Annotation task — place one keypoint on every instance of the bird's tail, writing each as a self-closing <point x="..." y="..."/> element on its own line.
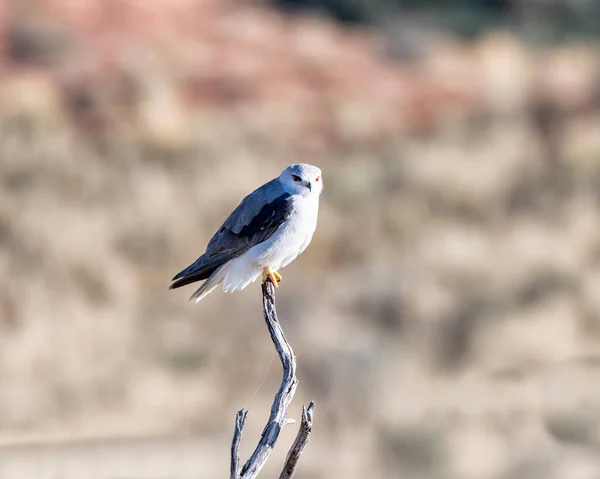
<point x="211" y="283"/>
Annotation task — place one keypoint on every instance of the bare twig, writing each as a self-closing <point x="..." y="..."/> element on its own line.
<point x="281" y="402"/>
<point x="240" y="421"/>
<point x="300" y="442"/>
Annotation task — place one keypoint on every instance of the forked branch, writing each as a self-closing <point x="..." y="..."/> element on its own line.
<point x="281" y="402"/>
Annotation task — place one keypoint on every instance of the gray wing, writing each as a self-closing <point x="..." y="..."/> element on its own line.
<point x="256" y="218"/>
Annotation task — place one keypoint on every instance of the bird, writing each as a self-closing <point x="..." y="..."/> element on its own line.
<point x="266" y="232"/>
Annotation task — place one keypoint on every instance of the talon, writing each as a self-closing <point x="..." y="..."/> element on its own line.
<point x="273" y="279"/>
<point x="269" y="273"/>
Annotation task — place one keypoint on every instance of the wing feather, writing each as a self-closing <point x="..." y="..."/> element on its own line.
<point x="256" y="218"/>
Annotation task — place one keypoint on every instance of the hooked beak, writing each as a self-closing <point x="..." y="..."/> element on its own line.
<point x="309" y="186"/>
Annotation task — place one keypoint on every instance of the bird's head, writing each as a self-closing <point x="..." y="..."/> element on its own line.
<point x="302" y="179"/>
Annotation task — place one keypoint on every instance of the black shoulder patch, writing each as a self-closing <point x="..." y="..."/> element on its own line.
<point x="268" y="220"/>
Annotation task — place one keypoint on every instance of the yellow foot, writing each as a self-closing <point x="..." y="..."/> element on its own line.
<point x="274" y="275"/>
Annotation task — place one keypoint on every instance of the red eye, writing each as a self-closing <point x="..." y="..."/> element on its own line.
<point x="296" y="178"/>
<point x="318" y="178"/>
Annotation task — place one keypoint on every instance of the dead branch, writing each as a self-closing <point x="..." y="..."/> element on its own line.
<point x="281" y="402"/>
<point x="240" y="421"/>
<point x="299" y="443"/>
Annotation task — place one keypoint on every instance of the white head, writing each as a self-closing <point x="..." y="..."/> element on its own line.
<point x="302" y="179"/>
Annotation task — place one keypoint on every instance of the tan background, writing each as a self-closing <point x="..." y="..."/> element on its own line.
<point x="446" y="316"/>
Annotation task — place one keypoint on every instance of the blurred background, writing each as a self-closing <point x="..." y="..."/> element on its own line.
<point x="446" y="316"/>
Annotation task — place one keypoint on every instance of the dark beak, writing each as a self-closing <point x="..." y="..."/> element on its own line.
<point x="309" y="186"/>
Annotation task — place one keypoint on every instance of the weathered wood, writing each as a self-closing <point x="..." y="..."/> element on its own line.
<point x="300" y="442"/>
<point x="240" y="421"/>
<point x="283" y="398"/>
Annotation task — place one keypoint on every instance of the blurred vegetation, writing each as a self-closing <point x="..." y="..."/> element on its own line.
<point x="541" y="21"/>
<point x="446" y="315"/>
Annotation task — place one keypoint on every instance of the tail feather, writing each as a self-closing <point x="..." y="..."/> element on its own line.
<point x="187" y="278"/>
<point x="211" y="283"/>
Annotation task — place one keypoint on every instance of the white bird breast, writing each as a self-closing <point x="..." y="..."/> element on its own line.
<point x="283" y="247"/>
